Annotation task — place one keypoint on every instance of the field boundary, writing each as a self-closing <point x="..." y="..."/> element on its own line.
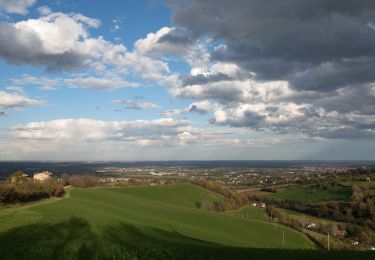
<point x="24" y="205"/>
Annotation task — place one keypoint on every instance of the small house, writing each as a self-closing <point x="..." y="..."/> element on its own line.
<point x="42" y="176"/>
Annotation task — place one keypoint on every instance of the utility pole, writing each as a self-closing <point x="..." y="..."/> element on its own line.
<point x="283" y="237"/>
<point x="328" y="241"/>
<point x="303" y="222"/>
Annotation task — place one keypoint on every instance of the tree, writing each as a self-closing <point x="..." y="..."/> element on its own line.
<point x="348" y="212"/>
<point x="65" y="178"/>
<point x="205" y="204"/>
<point x="17" y="177"/>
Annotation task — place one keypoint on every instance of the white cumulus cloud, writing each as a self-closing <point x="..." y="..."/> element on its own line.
<point x="11" y="100"/>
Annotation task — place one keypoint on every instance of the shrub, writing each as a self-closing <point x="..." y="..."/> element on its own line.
<point x="20" y="189"/>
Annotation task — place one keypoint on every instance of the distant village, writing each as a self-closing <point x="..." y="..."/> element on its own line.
<point x="234" y="177"/>
<point x="237" y="178"/>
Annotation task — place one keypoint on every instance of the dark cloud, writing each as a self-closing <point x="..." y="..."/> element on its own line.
<point x="289" y="40"/>
<point x="177" y="37"/>
<point x="359" y="99"/>
<point x="196" y="109"/>
<point x="322" y="51"/>
<point x="328" y="76"/>
<point x="203" y="79"/>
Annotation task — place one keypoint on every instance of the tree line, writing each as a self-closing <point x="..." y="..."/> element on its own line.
<point x="359" y="210"/>
<point x="358" y="214"/>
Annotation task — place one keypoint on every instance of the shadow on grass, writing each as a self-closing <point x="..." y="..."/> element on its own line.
<point x="74" y="239"/>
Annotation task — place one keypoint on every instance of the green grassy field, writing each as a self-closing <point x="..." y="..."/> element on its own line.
<point x="307" y="193"/>
<point x="369" y="184"/>
<point x="250" y="212"/>
<point x="294" y="213"/>
<point x="159" y="222"/>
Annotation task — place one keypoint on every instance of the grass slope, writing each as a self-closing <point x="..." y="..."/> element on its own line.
<point x="250" y="212"/>
<point x="159" y="222"/>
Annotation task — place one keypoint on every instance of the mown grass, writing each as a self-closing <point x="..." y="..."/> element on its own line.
<point x="145" y="223"/>
<point x="310" y="193"/>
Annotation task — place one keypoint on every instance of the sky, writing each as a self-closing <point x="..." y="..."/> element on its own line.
<point x="187" y="80"/>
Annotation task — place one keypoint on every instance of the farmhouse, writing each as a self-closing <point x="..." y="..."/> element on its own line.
<point x="42" y="176"/>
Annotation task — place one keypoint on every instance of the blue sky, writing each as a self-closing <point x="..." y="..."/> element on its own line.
<point x="173" y="80"/>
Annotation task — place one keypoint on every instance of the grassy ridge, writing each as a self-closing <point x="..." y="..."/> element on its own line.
<point x="143" y="222"/>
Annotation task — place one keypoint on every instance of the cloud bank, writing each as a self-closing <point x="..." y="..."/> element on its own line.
<point x="286" y="66"/>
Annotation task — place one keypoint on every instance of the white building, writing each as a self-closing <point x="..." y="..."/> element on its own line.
<point x="311" y="226"/>
<point x="42" y="176"/>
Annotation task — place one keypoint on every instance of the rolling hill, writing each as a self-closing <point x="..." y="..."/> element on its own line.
<point x="153" y="222"/>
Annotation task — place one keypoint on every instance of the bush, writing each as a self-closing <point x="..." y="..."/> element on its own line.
<point x="269" y="189"/>
<point x="17" y="189"/>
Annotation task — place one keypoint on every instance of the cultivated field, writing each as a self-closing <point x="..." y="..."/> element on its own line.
<point x="310" y="193"/>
